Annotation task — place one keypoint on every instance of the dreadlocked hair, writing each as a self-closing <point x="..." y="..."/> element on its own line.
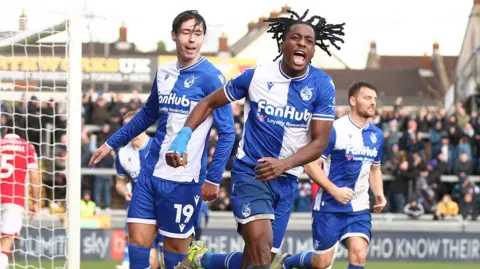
<point x="323" y="31"/>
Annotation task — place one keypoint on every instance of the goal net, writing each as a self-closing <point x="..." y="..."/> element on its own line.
<point x="38" y="91"/>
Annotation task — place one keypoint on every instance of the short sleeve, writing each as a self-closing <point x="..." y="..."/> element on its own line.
<point x="325" y="102"/>
<point x="32" y="157"/>
<point x="237" y="88"/>
<point x="378" y="159"/>
<point x="118" y="166"/>
<point x="331" y="144"/>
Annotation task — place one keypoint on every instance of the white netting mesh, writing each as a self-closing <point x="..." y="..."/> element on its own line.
<point x="33" y="85"/>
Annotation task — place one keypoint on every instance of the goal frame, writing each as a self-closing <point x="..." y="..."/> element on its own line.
<point x="73" y="28"/>
<point x="74" y="129"/>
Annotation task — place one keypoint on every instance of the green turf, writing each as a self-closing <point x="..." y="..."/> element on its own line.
<point x="337" y="265"/>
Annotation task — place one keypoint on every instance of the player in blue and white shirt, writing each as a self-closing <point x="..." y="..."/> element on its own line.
<point x="128" y="163"/>
<point x="164" y="196"/>
<point x="341" y="211"/>
<point x="289" y="110"/>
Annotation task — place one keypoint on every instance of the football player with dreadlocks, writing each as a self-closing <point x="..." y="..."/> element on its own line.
<point x="289" y="111"/>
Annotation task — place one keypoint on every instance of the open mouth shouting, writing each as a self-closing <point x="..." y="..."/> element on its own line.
<point x="299" y="57"/>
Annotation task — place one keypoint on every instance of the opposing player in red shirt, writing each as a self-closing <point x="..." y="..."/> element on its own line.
<point x="17" y="156"/>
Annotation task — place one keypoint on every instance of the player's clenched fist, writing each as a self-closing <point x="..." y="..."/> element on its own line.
<point x="98" y="155"/>
<point x="343" y="195"/>
<point x="209" y="191"/>
<point x="177" y="153"/>
<point x="270" y="168"/>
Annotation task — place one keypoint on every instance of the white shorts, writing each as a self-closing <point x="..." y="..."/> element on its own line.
<point x="11" y="219"/>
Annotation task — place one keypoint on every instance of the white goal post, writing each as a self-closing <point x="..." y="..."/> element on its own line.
<point x="74" y="129"/>
<point x="28" y="66"/>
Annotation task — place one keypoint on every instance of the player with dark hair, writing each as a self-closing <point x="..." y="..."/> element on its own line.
<point x="323" y="31"/>
<point x="289" y="110"/>
<point x="341" y="211"/>
<point x="156" y="204"/>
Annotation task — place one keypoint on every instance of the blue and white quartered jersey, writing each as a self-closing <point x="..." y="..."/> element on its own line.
<point x="175" y="92"/>
<point x="350" y="153"/>
<point x="129" y="160"/>
<point x="278" y="110"/>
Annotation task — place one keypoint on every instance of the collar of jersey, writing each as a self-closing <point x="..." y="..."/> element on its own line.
<point x="356" y="125"/>
<point x="192" y="65"/>
<point x="295" y="78"/>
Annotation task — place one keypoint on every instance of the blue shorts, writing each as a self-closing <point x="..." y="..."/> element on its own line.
<point x="157" y="242"/>
<point x="253" y="199"/>
<point x="330" y="227"/>
<point x="172" y="206"/>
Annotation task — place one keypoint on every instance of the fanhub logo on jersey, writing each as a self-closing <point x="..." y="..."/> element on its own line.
<point x="360" y="153"/>
<point x="287" y="113"/>
<point x="174" y="104"/>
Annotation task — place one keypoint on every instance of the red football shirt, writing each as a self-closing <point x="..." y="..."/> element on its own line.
<point x="16" y="157"/>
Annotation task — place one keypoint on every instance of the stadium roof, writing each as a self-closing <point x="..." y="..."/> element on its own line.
<point x="390" y="84"/>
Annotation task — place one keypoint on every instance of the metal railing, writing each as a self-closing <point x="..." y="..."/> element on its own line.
<point x="303" y="177"/>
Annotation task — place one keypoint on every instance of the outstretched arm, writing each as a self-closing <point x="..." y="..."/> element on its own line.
<point x="138" y="124"/>
<point x="235" y="89"/>
<point x="177" y="155"/>
<point x="205" y="108"/>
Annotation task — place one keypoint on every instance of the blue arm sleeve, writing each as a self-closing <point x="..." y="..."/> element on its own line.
<point x="378" y="159"/>
<point x="237" y="88"/>
<point x="325" y="101"/>
<point x="118" y="166"/>
<point x="138" y="124"/>
<point x="223" y="120"/>
<point x="331" y="144"/>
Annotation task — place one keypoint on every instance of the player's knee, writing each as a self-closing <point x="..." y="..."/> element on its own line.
<point x="357" y="254"/>
<point x="141" y="235"/>
<point x="176" y="245"/>
<point x="140" y="242"/>
<point x="321" y="261"/>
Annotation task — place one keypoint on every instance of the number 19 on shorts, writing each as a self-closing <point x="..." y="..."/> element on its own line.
<point x="185" y="210"/>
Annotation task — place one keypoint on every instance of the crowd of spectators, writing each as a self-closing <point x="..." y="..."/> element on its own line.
<point x="421" y="146"/>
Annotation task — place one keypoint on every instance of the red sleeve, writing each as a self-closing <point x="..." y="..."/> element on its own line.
<point x="31" y="157"/>
<point x="315" y="189"/>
